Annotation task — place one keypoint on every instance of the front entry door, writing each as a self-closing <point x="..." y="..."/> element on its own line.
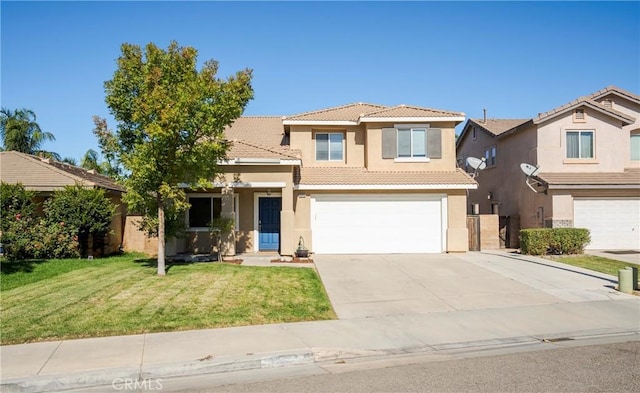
<point x="269" y="223"/>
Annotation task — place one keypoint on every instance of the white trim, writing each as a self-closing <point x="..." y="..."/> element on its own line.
<point x="319" y="122"/>
<point x="412" y="159"/>
<point x="593" y="186"/>
<point x="260" y="161"/>
<point x="256" y="216"/>
<point x="259" y="184"/>
<point x="406" y="119"/>
<point x="444" y="220"/>
<point x="366" y="119"/>
<point x="250" y="184"/>
<point x="338" y="187"/>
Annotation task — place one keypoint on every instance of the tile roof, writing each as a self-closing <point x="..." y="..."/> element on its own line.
<point x="243" y="149"/>
<point x="582" y="101"/>
<point x="262" y="130"/>
<point x="498" y="126"/>
<point x="630" y="177"/>
<point x="357" y="111"/>
<point x="48" y="175"/>
<point x="616" y="90"/>
<point x="361" y="176"/>
<point x="412" y="111"/>
<point x="349" y="112"/>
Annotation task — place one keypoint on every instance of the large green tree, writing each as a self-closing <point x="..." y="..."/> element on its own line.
<point x="170" y="122"/>
<point x="21" y="132"/>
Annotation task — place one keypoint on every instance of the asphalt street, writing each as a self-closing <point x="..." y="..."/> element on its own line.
<point x="611" y="367"/>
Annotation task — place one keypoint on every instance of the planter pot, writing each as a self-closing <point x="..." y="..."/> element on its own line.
<point x="302" y="253"/>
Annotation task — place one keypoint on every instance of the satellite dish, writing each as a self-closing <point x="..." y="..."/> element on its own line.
<point x="477" y="164"/>
<point x="529" y="170"/>
<point x="531" y="173"/>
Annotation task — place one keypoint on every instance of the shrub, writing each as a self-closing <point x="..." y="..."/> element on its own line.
<point x="70" y="217"/>
<point x="80" y="212"/>
<point x="553" y="241"/>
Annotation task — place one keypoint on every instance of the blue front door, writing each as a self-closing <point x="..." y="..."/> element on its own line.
<point x="269" y="223"/>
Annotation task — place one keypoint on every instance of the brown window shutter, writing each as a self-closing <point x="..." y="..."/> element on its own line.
<point x="389" y="144"/>
<point x="434" y="143"/>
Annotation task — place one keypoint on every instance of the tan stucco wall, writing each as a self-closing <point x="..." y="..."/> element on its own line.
<point x="375" y="162"/>
<point x="457" y="232"/>
<point x="489" y="234"/>
<point x="303" y="138"/>
<point x="611" y="148"/>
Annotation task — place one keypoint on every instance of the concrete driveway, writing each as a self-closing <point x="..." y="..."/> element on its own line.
<point x="361" y="286"/>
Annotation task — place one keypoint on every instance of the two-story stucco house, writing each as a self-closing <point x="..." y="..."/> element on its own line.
<point x="588" y="155"/>
<point x="357" y="178"/>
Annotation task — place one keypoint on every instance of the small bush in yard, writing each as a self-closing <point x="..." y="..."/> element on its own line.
<point x="554" y="241"/>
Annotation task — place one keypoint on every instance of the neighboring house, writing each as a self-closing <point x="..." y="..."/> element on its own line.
<point x="46" y="176"/>
<point x="588" y="154"/>
<point x="358" y="178"/>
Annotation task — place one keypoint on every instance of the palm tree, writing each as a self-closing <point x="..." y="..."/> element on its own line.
<point x="90" y="161"/>
<point x="70" y="161"/>
<point x="20" y="132"/>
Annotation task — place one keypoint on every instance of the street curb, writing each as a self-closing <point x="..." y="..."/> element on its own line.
<point x="118" y="376"/>
<point x="151" y="374"/>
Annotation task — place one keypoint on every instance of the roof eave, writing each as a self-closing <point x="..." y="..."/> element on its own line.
<point x="549" y="116"/>
<point x="373" y="119"/>
<point x="341" y="187"/>
<point x="319" y="122"/>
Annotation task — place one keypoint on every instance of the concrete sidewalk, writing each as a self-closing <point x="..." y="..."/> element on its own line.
<point x="60" y="365"/>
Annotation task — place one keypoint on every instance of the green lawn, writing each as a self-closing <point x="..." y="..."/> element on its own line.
<point x="63" y="299"/>
<point x="592" y="262"/>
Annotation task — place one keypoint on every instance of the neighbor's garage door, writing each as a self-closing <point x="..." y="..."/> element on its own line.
<point x="377" y="224"/>
<point x="614" y="223"/>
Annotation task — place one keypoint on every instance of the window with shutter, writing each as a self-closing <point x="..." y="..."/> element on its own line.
<point x="411" y="143"/>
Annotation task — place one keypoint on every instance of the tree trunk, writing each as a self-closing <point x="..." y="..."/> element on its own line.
<point x="161" y="270"/>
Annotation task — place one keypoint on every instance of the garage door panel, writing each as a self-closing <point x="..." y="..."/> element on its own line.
<point x="377" y="224"/>
<point x="613" y="223"/>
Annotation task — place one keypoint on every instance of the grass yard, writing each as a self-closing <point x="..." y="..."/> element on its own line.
<point x="63" y="299"/>
<point x="596" y="263"/>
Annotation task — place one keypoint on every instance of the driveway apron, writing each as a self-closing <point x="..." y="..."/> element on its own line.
<point x="361" y="286"/>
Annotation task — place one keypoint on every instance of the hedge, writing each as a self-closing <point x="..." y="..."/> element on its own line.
<point x="554" y="241"/>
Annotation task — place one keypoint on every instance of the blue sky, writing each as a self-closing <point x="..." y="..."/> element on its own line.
<point x="513" y="58"/>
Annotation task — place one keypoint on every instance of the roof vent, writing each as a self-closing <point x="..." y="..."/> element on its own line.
<point x="45" y="160"/>
<point x="92" y="171"/>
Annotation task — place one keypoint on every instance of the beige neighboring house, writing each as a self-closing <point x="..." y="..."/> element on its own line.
<point x="45" y="176"/>
<point x="588" y="155"/>
<point x="357" y="178"/>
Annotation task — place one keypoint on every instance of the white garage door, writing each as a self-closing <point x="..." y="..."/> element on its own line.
<point x="614" y="223"/>
<point x="378" y="224"/>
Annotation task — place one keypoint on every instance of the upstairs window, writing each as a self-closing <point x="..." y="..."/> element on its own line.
<point x="329" y="146"/>
<point x="412" y="142"/>
<point x="635" y="147"/>
<point x="580" y="144"/>
<point x="490" y="156"/>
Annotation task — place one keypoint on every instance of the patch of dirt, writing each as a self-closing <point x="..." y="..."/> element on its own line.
<point x="292" y="260"/>
<point x="232" y="261"/>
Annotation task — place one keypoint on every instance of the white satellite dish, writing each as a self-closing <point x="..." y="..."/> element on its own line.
<point x="477" y="164"/>
<point x="529" y="169"/>
<point x="531" y="173"/>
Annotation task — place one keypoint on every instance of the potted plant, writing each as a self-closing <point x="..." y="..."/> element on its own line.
<point x="302" y="251"/>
